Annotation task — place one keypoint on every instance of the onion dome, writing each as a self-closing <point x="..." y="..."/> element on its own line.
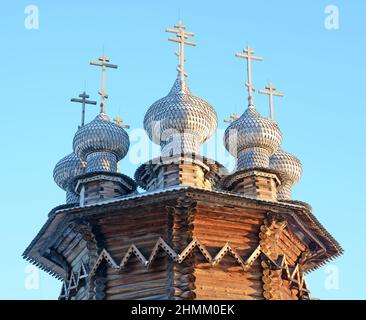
<point x="102" y="144"/>
<point x="65" y="171"/>
<point x="180" y="122"/>
<point x="252" y="139"/>
<point x="289" y="168"/>
<point x="68" y="168"/>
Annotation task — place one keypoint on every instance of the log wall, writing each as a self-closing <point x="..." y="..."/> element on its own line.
<point x="216" y="225"/>
<point x="179" y="222"/>
<point x="141" y="227"/>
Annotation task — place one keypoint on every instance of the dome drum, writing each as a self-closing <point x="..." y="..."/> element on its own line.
<point x="253" y="158"/>
<point x="259" y="183"/>
<point x="72" y="197"/>
<point x="188" y="169"/>
<point x="284" y="191"/>
<point x="180" y="143"/>
<point x="94" y="187"/>
<point x="101" y="162"/>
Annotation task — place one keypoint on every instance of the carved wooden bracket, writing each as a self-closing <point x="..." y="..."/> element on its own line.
<point x="276" y="269"/>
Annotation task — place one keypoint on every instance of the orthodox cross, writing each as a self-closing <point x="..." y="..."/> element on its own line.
<point x="271" y="91"/>
<point x="84" y="101"/>
<point x="181" y="37"/>
<point x="248" y="55"/>
<point x="103" y="63"/>
<point x="118" y="120"/>
<point x="234" y="116"/>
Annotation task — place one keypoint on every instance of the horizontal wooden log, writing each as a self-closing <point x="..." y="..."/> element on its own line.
<point x="137" y="286"/>
<point x="126" y="279"/>
<point x="148" y="293"/>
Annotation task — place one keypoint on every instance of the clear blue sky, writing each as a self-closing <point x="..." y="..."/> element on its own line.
<point x="322" y="116"/>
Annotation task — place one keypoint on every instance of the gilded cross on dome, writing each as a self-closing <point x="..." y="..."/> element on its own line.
<point x="84" y="101"/>
<point x="248" y="55"/>
<point x="182" y="38"/>
<point x="271" y="91"/>
<point x="234" y="116"/>
<point x="118" y="120"/>
<point x="103" y="63"/>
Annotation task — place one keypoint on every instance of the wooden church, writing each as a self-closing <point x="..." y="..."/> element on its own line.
<point x="192" y="230"/>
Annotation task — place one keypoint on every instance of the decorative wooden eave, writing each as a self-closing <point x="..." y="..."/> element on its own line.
<point x="331" y="248"/>
<point x="300" y="219"/>
<point x="58" y="219"/>
<point x="33" y="252"/>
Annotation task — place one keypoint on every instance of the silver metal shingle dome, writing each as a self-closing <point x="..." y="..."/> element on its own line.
<point x="68" y="168"/>
<point x="252" y="139"/>
<point x="101" y="135"/>
<point x="181" y="119"/>
<point x="289" y="168"/>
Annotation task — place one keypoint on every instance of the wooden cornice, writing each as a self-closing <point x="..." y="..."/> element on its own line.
<point x="298" y="216"/>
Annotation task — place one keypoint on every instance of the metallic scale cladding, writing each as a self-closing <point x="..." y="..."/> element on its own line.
<point x="65" y="171"/>
<point x="99" y="138"/>
<point x="180" y="118"/>
<point x="253" y="139"/>
<point x="289" y="168"/>
<point x="68" y="168"/>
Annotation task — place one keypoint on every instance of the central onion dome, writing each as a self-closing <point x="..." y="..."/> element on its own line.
<point x="289" y="168"/>
<point x="101" y="143"/>
<point x="252" y="139"/>
<point x="180" y="122"/>
<point x="65" y="171"/>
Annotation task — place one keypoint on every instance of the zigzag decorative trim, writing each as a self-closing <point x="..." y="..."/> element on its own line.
<point x="296" y="277"/>
<point x="179" y="258"/>
<point x="273" y="276"/>
<point x="271" y="229"/>
<point x="73" y="282"/>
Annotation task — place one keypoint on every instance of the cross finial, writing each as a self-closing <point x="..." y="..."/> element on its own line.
<point x="271" y="91"/>
<point x="234" y="116"/>
<point x="103" y="62"/>
<point x="181" y="37"/>
<point x="84" y="101"/>
<point x="248" y="55"/>
<point x="118" y="120"/>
